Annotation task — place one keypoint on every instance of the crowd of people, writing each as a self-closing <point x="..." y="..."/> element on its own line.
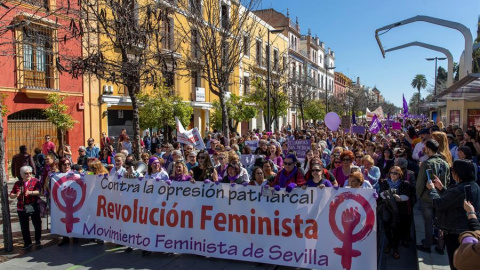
<point x="424" y="163"/>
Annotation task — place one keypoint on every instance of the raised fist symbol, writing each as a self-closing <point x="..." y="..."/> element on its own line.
<point x="350" y="220"/>
<point x="69" y="195"/>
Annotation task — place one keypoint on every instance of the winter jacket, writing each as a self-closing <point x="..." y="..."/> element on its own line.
<point x="450" y="215"/>
<point x="439" y="167"/>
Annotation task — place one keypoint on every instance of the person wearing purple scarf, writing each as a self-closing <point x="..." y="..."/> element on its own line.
<point x="233" y="174"/>
<point x="180" y="172"/>
<point x="290" y="176"/>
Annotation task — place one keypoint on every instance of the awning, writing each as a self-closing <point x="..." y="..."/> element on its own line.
<point x="433" y="104"/>
<point x="467" y="88"/>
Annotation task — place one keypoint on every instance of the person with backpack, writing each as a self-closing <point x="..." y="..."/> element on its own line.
<point x="22" y="159"/>
<point x="440" y="168"/>
<point x="39" y="160"/>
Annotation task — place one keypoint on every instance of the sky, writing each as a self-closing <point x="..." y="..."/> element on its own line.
<point x="348" y="28"/>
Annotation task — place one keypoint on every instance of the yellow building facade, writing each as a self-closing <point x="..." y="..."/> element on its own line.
<point x="108" y="106"/>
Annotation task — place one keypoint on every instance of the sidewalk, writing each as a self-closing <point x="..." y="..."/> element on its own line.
<point x="427" y="261"/>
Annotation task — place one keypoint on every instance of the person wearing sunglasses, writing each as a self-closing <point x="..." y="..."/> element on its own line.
<point x="65" y="167"/>
<point x="221" y="168"/>
<point x="396" y="223"/>
<point x="26" y="191"/>
<point x="48" y="147"/>
<point x="258" y="177"/>
<point x="317" y="178"/>
<point x="341" y="173"/>
<point x="290" y="176"/>
<point x="205" y="169"/>
<point x="180" y="172"/>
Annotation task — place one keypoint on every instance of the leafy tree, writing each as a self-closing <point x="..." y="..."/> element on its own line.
<point x="160" y="107"/>
<point x="414" y="102"/>
<point x="58" y="115"/>
<point x="419" y="82"/>
<point x="315" y="109"/>
<point x="218" y="31"/>
<point x="239" y="110"/>
<point x="278" y="100"/>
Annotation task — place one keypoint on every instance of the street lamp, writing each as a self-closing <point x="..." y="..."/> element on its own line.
<point x="275" y="31"/>
<point x="435" y="85"/>
<point x="326" y="87"/>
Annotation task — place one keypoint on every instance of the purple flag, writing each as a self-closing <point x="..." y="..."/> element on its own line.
<point x="405" y="106"/>
<point x="354" y="121"/>
<point x="375" y="126"/>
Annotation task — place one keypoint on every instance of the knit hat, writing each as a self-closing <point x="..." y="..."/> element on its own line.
<point x="152" y="160"/>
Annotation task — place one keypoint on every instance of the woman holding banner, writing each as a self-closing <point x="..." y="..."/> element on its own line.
<point x="290" y="176"/>
<point x="26" y="192"/>
<point x="180" y="172"/>
<point x="66" y="168"/>
<point x="233" y="174"/>
<point x="204" y="170"/>
<point x="221" y="168"/>
<point x="268" y="172"/>
<point x="341" y="173"/>
<point x="155" y="170"/>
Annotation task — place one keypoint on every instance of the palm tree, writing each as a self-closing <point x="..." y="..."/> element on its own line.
<point x="419" y="82"/>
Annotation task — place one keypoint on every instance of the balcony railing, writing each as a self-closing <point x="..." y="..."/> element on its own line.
<point x="37" y="3"/>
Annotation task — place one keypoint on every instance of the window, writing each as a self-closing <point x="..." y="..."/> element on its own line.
<point x="225" y="53"/>
<point x="36" y="57"/>
<point x="246" y="85"/>
<point x="321" y="82"/>
<point x="267" y="56"/>
<point x="225" y="17"/>
<point x="195" y="44"/>
<point x="195" y="7"/>
<point x="285" y="63"/>
<point x="169" y="79"/>
<point x="275" y="60"/>
<point x="38" y="3"/>
<point x="258" y="51"/>
<point x="168" y="34"/>
<point x="246" y="45"/>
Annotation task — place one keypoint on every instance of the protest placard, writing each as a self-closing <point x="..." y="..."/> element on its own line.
<point x="300" y="147"/>
<point x="358" y="129"/>
<point x="252" y="144"/>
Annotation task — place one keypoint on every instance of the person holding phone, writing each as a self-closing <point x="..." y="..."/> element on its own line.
<point x="449" y="204"/>
<point x="439" y="168"/>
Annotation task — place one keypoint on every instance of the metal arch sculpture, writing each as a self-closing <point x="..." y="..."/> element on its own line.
<point x="467" y="68"/>
<point x="447" y="53"/>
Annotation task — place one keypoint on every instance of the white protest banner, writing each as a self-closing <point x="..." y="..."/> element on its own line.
<point x="252" y="144"/>
<point x="312" y="228"/>
<point x="191" y="136"/>
<point x="378" y="112"/>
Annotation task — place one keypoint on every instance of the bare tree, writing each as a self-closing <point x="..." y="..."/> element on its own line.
<point x="128" y="43"/>
<point x="216" y="31"/>
<point x="279" y="82"/>
<point x="301" y="91"/>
